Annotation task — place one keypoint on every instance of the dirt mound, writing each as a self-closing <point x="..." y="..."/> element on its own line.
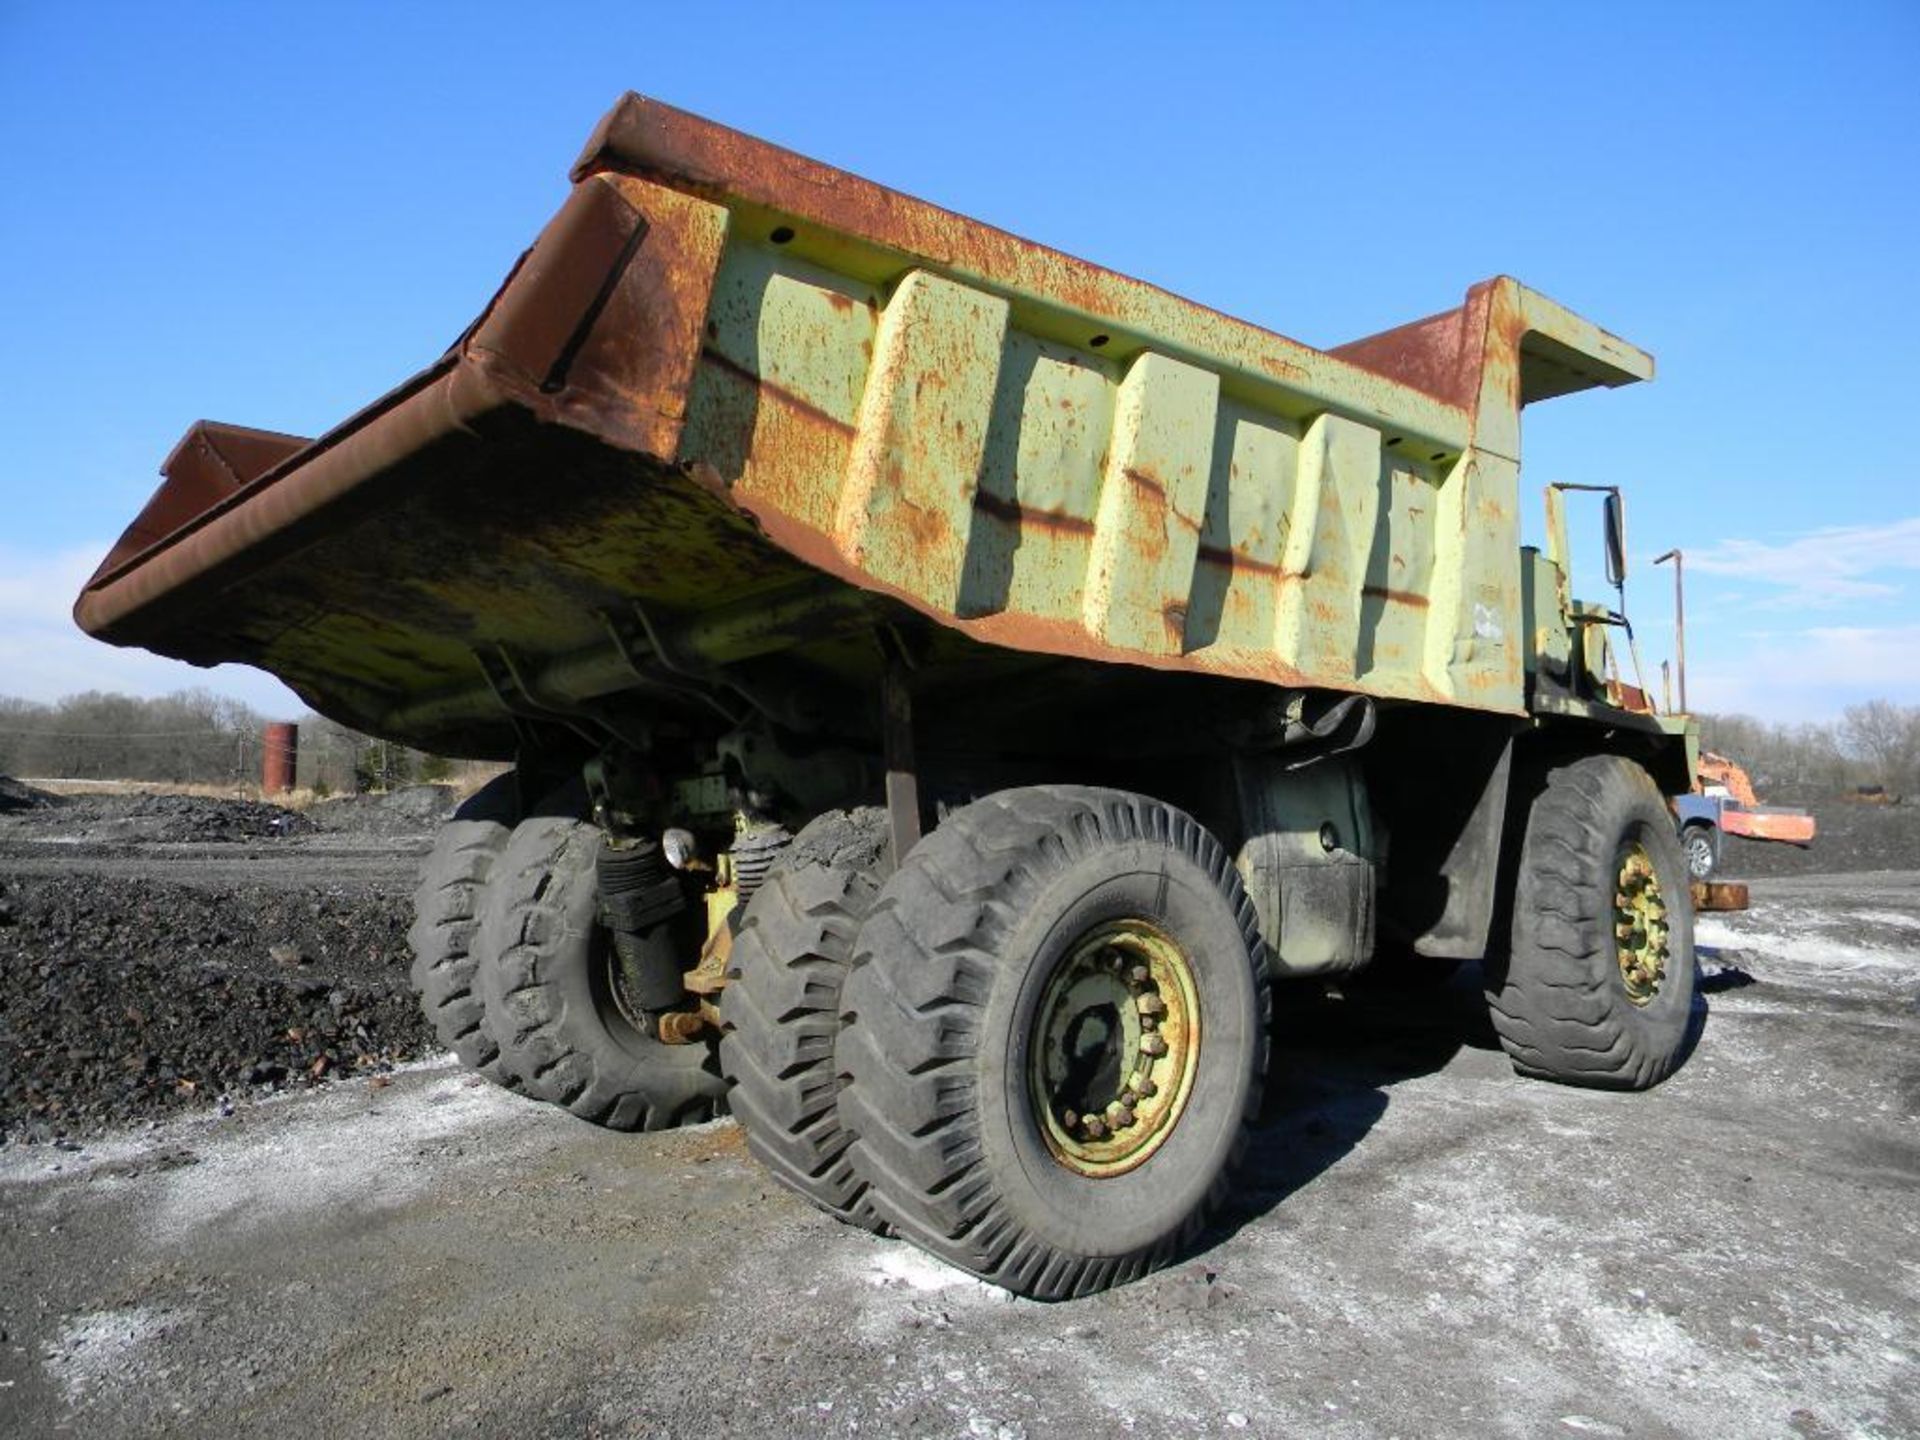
<point x="416" y="810"/>
<point x="17" y="795"/>
<point x="138" y="998"/>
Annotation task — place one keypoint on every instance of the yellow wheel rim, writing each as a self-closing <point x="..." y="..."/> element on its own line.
<point x="1640" y="927"/>
<point x="1114" y="1048"/>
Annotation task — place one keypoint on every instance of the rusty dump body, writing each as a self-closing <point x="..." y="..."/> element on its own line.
<point x="742" y="431"/>
<point x="726" y="376"/>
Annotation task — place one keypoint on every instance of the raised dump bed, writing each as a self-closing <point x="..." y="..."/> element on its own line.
<point x="760" y="494"/>
<point x="724" y="372"/>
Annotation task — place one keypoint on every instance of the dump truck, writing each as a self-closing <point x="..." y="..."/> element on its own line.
<point x="950" y="689"/>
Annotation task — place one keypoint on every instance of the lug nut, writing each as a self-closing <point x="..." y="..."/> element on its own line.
<point x="1153" y="1045"/>
<point x="1096" y="1128"/>
<point x="1069" y="1118"/>
<point x="1128" y="1098"/>
<point x="1149" y="1023"/>
<point x="1139" y="975"/>
<point x="1151" y="1004"/>
<point x="1122" y="1118"/>
<point x="1147" y="1089"/>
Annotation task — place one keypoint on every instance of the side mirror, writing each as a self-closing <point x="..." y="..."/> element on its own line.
<point x="1616" y="539"/>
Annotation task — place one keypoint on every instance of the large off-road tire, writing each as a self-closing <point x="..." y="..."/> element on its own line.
<point x="782" y="1006"/>
<point x="446" y="912"/>
<point x="999" y="988"/>
<point x="1597" y="986"/>
<point x="547" y="980"/>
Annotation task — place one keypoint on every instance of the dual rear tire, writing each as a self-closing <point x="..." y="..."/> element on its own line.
<point x="516" y="973"/>
<point x="1036" y="1050"/>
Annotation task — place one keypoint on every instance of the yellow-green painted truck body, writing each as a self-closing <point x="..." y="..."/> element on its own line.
<point x="734" y="402"/>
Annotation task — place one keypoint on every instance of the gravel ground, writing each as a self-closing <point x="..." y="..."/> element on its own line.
<point x="231" y="1237"/>
<point x="1424" y="1245"/>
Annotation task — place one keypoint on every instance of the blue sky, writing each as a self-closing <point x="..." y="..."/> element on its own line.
<point x="271" y="214"/>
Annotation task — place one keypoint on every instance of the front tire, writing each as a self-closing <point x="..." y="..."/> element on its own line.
<point x="547" y="979"/>
<point x="1597" y="986"/>
<point x="1056" y="1038"/>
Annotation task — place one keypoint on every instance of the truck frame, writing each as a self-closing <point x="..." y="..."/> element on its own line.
<point x="948" y="686"/>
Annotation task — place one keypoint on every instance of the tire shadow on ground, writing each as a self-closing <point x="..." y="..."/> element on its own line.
<point x="1337" y="1053"/>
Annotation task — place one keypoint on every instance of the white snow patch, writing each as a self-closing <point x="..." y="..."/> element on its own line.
<point x="1895" y="919"/>
<point x="1810" y="953"/>
<point x="100" y="1346"/>
<point x="24" y="1164"/>
<point x="903" y="1266"/>
<point x="337" y="1152"/>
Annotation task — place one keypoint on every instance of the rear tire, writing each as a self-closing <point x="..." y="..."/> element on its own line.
<point x="546" y="979"/>
<point x="1597" y="987"/>
<point x="781" y="1007"/>
<point x="446" y="913"/>
<point x="998" y="987"/>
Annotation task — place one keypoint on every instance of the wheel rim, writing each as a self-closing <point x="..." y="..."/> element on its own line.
<point x="1640" y="924"/>
<point x="1699" y="854"/>
<point x="1114" y="1048"/>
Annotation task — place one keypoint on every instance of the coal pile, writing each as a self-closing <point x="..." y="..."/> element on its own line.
<point x="1852" y="837"/>
<point x="159" y="819"/>
<point x="17" y="795"/>
<point x="415" y="810"/>
<point x="140" y="998"/>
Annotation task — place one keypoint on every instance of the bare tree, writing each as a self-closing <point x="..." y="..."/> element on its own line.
<point x="192" y="735"/>
<point x="1887" y="738"/>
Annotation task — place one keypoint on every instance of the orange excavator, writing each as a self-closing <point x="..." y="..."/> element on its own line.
<point x="1723" y="803"/>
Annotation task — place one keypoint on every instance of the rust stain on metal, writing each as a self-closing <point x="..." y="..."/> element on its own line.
<point x="1239" y="561"/>
<point x="212" y="463"/>
<point x="1147" y="481"/>
<point x="681" y="1027"/>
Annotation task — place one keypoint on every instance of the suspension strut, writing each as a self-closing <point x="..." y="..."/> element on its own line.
<point x="640" y="896"/>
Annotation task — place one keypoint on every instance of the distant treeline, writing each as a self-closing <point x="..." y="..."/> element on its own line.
<point x="191" y="737"/>
<point x="1877" y="743"/>
<point x="195" y="736"/>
